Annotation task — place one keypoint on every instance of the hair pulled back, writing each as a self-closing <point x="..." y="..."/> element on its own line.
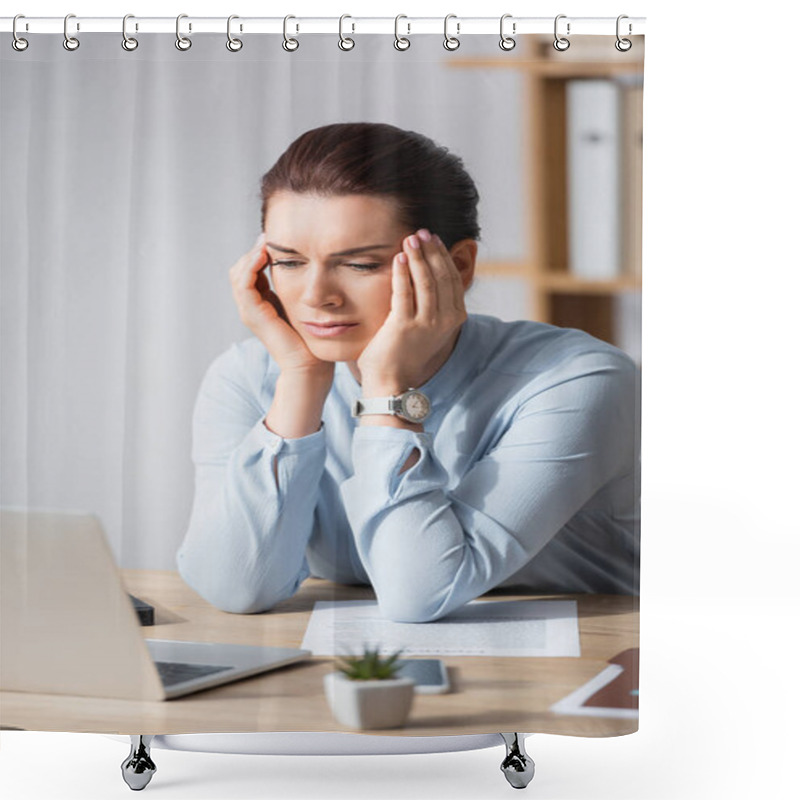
<point x="428" y="183"/>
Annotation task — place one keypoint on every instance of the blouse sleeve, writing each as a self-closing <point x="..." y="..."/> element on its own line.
<point x="428" y="550"/>
<point x="244" y="550"/>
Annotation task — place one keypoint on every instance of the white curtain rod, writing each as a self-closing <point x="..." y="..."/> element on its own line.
<point x="407" y="26"/>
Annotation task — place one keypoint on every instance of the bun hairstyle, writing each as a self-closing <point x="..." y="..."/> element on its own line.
<point x="427" y="182"/>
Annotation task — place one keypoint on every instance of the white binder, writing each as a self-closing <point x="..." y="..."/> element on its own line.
<point x="593" y="179"/>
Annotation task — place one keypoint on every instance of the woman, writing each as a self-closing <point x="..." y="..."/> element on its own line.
<point x="514" y="461"/>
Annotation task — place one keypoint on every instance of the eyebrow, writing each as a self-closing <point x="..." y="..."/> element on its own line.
<point x="352" y="251"/>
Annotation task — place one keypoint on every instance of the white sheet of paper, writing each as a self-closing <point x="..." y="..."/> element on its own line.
<point x="480" y="628"/>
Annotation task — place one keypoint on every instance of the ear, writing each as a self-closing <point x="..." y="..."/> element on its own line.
<point x="464" y="254"/>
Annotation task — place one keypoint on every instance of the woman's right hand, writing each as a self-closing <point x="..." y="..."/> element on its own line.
<point x="261" y="311"/>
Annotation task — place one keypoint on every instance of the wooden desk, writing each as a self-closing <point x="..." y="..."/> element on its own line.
<point x="488" y="694"/>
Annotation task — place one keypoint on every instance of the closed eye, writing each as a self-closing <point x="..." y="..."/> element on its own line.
<point x="359" y="267"/>
<point x="364" y="267"/>
<point x="285" y="264"/>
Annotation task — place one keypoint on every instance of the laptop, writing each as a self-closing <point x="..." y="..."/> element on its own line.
<point x="68" y="626"/>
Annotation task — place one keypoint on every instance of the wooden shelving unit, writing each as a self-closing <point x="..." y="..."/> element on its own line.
<point x="557" y="296"/>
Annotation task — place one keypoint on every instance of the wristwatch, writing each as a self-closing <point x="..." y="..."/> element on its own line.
<point x="412" y="405"/>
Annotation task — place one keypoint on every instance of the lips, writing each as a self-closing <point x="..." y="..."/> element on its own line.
<point x="331" y="324"/>
<point x="328" y="329"/>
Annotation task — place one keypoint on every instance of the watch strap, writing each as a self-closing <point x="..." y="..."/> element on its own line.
<point x="376" y="405"/>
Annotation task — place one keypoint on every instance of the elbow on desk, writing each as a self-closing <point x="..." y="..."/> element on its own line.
<point x="233" y="597"/>
<point x="410" y="609"/>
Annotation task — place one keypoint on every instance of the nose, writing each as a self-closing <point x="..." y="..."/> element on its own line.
<point x="320" y="288"/>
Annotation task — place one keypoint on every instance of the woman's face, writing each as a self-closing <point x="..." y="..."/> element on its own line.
<point x="332" y="263"/>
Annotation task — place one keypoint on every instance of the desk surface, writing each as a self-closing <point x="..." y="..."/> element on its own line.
<point x="488" y="694"/>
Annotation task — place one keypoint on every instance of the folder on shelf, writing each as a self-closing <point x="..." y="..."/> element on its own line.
<point x="593" y="178"/>
<point x="632" y="138"/>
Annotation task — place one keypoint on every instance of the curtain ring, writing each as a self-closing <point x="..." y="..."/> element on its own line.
<point x="129" y="43"/>
<point x="182" y="42"/>
<point x="506" y="42"/>
<point x="290" y="44"/>
<point x="623" y="45"/>
<point x="345" y="42"/>
<point x="70" y="42"/>
<point x="400" y="42"/>
<point x="18" y="43"/>
<point x="561" y="43"/>
<point x="233" y="44"/>
<point x="451" y="42"/>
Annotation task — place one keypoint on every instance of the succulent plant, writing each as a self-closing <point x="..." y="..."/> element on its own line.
<point x="370" y="666"/>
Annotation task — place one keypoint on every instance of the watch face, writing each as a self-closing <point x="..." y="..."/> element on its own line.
<point x="416" y="406"/>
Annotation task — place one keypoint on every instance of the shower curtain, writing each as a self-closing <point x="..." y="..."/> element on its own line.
<point x="493" y="523"/>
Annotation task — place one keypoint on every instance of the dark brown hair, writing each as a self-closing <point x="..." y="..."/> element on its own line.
<point x="428" y="183"/>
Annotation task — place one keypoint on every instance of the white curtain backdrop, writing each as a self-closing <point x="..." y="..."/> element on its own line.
<point x="130" y="185"/>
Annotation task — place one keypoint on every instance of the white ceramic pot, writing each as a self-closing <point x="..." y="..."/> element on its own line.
<point x="369" y="705"/>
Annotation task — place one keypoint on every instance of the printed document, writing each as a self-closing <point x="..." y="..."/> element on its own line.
<point x="480" y="628"/>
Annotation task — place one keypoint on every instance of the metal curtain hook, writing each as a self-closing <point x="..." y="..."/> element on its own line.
<point x="561" y="43"/>
<point x="451" y="42"/>
<point x="623" y="45"/>
<point x="506" y="42"/>
<point x="129" y="43"/>
<point x="290" y="44"/>
<point x="182" y="42"/>
<point x="400" y="42"/>
<point x="70" y="42"/>
<point x="233" y="44"/>
<point x="18" y="43"/>
<point x="345" y="42"/>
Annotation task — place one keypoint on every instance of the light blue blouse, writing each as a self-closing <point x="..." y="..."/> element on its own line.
<point x="528" y="476"/>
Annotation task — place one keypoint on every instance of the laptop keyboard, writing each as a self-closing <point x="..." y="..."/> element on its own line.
<point x="172" y="672"/>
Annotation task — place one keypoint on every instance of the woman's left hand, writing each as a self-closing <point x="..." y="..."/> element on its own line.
<point x="427" y="308"/>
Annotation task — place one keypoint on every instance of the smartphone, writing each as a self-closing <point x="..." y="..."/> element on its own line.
<point x="429" y="674"/>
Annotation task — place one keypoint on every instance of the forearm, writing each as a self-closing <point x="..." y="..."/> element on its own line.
<point x="389" y="420"/>
<point x="419" y="558"/>
<point x="253" y="509"/>
<point x="296" y="409"/>
<point x="245" y="545"/>
<point x="394" y="422"/>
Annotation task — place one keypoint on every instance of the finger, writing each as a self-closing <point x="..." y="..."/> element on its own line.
<point x="457" y="284"/>
<point x="245" y="281"/>
<point x="252" y="261"/>
<point x="266" y="293"/>
<point x="421" y="277"/>
<point x="259" y="255"/>
<point x="250" y="285"/>
<point x="402" y="288"/>
<point x="445" y="275"/>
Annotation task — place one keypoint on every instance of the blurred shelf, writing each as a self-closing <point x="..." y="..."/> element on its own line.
<point x="557" y="281"/>
<point x="557" y="296"/>
<point x="506" y="269"/>
<point x="554" y="69"/>
<point x="564" y="283"/>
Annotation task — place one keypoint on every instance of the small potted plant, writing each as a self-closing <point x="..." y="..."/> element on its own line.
<point x="365" y="692"/>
